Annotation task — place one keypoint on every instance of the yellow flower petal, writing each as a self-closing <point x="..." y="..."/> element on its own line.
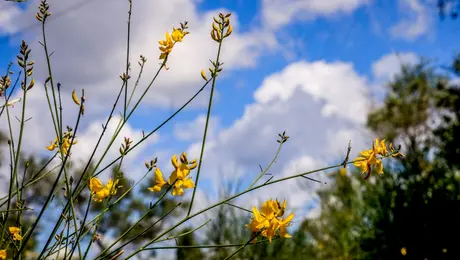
<point x="174" y="161"/>
<point x="95" y="185"/>
<point x="177" y="35"/>
<point x="75" y="98"/>
<point x="177" y="191"/>
<point x="203" y="75"/>
<point x="188" y="183"/>
<point x="14" y="230"/>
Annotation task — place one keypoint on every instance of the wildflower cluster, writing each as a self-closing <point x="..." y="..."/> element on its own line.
<point x="179" y="178"/>
<point x="66" y="138"/>
<point x="221" y="26"/>
<point x="43" y="12"/>
<point x="99" y="192"/>
<point x="369" y="157"/>
<point x="167" y="44"/>
<point x="270" y="219"/>
<point x="3" y="254"/>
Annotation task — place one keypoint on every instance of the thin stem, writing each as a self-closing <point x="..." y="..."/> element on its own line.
<point x="21" y="132"/>
<point x="29" y="183"/>
<point x="201" y="246"/>
<point x="238" y="207"/>
<point x="185" y="233"/>
<point x="50" y="75"/>
<point x="157" y="128"/>
<point x="242" y="247"/>
<point x="48" y="199"/>
<point x="127" y="58"/>
<point x="208" y="115"/>
<point x="137" y="81"/>
<point x="268" y="167"/>
<point x="229" y="199"/>
<point x="143" y="232"/>
<point x="137" y="222"/>
<point x="79" y="189"/>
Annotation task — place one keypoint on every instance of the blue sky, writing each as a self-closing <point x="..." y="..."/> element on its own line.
<point x="305" y="66"/>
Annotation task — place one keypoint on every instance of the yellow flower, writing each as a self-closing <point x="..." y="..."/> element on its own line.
<point x="368" y="158"/>
<point x="167" y="44"/>
<point x="403" y="251"/>
<point x="177" y="35"/>
<point x="53" y="145"/>
<point x="180" y="175"/>
<point x="380" y="148"/>
<point x="285" y="223"/>
<point x="99" y="191"/>
<point x="65" y="143"/>
<point x="3" y="254"/>
<point x="112" y="186"/>
<point x="269" y="220"/>
<point x="159" y="181"/>
<point x="15" y="232"/>
<point x="364" y="160"/>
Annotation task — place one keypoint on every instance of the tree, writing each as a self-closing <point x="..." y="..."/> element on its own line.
<point x="421" y="215"/>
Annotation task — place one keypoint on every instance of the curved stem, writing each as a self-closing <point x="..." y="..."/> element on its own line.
<point x="229" y="199"/>
<point x="268" y="167"/>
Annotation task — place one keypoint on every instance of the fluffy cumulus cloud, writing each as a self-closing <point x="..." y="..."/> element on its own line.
<point x="89" y="45"/>
<point x="88" y="42"/>
<point x="277" y="13"/>
<point x="416" y="20"/>
<point x="320" y="105"/>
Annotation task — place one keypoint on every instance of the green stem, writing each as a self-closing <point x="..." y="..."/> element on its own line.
<point x="50" y="73"/>
<point x="48" y="199"/>
<point x="229" y="199"/>
<point x="202" y="246"/>
<point x="157" y="128"/>
<point x="137" y="222"/>
<point x="127" y="59"/>
<point x="141" y="233"/>
<point x="268" y="167"/>
<point x="242" y="247"/>
<point x="28" y="184"/>
<point x="185" y="233"/>
<point x="208" y="115"/>
<point x="18" y="150"/>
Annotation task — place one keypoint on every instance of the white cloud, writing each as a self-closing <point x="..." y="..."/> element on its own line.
<point x="336" y="83"/>
<point x="192" y="131"/>
<point x="276" y="13"/>
<point x="385" y="69"/>
<point x="39" y="130"/>
<point x="88" y="139"/>
<point x="320" y="105"/>
<point x="89" y="45"/>
<point x="9" y="13"/>
<point x="389" y="65"/>
<point x="416" y="20"/>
